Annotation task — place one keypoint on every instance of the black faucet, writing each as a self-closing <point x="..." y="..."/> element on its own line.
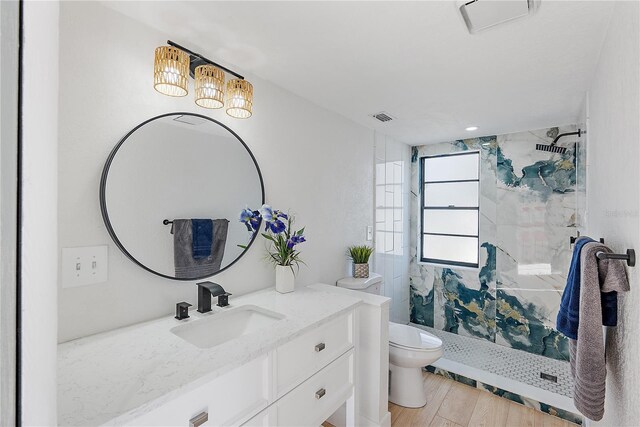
<point x="206" y="290"/>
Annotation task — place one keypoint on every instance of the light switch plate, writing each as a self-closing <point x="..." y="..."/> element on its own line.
<point x="84" y="265"/>
<point x="369" y="233"/>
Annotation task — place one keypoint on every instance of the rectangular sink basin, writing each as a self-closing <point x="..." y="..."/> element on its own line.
<point x="219" y="328"/>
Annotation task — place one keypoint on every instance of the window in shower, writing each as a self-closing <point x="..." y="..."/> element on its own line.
<point x="450" y="208"/>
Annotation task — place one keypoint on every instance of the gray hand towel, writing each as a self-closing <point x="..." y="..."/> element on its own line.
<point x="186" y="267"/>
<point x="588" y="365"/>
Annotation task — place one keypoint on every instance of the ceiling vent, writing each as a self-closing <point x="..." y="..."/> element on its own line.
<point x="480" y="15"/>
<point x="382" y="116"/>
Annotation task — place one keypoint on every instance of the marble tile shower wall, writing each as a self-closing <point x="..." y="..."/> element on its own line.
<point x="528" y="209"/>
<point x="391" y="258"/>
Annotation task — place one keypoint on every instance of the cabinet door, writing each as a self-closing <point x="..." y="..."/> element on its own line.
<point x="228" y="400"/>
<point x="316" y="399"/>
<point x="297" y="360"/>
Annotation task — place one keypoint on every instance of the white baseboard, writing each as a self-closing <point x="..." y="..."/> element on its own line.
<point x="384" y="422"/>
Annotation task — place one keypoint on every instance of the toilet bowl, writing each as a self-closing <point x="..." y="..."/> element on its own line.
<point x="410" y="349"/>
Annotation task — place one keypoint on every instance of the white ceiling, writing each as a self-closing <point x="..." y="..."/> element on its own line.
<point x="414" y="60"/>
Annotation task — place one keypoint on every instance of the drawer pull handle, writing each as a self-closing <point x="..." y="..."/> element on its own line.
<point x="320" y="347"/>
<point x="199" y="419"/>
<point x="320" y="393"/>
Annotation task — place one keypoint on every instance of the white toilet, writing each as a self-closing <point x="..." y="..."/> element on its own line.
<point x="410" y="349"/>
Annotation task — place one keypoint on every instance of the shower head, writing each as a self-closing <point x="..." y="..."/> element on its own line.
<point x="553" y="148"/>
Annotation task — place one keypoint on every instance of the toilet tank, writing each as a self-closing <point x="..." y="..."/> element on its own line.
<point x="370" y="285"/>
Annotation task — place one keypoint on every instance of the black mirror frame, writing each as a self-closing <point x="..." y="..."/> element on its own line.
<point x="103" y="202"/>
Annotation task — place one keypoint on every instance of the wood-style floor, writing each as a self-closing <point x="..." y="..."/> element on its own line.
<point x="453" y="404"/>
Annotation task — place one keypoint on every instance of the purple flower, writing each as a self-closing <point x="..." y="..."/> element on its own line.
<point x="245" y="215"/>
<point x="255" y="221"/>
<point x="276" y="226"/>
<point x="267" y="213"/>
<point x="272" y="219"/>
<point x="250" y="218"/>
<point x="294" y="240"/>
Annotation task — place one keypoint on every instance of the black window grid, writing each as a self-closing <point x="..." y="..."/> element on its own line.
<point x="450" y="207"/>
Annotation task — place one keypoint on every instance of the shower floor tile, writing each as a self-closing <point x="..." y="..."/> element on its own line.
<point x="515" y="365"/>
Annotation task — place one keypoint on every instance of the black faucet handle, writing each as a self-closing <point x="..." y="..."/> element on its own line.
<point x="182" y="310"/>
<point x="223" y="300"/>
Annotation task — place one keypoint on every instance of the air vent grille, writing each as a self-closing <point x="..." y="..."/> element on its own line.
<point x="383" y="117"/>
<point x="481" y="15"/>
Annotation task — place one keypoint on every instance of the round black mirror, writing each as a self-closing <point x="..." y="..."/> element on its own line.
<point x="171" y="193"/>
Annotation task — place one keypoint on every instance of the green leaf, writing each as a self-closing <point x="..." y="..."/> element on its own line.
<point x="268" y="237"/>
<point x="360" y="254"/>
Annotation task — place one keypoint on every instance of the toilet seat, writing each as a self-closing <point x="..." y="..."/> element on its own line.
<point x="413" y="339"/>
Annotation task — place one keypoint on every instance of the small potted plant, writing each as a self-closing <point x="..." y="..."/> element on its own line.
<point x="283" y="240"/>
<point x="360" y="257"/>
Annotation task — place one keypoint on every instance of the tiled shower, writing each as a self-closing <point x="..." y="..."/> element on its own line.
<point x="531" y="203"/>
<point x="528" y="211"/>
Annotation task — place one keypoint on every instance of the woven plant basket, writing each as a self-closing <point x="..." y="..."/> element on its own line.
<point x="361" y="271"/>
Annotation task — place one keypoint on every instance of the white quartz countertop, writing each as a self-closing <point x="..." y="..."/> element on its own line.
<point x="112" y="377"/>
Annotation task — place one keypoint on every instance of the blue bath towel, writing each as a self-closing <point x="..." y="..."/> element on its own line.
<point x="569" y="314"/>
<point x="202" y="237"/>
<point x="609" y="302"/>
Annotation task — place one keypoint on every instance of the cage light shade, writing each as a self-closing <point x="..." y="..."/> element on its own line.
<point x="209" y="86"/>
<point x="239" y="98"/>
<point x="171" y="71"/>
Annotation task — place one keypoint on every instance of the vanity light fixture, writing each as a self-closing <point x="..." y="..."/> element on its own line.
<point x="209" y="84"/>
<point x="239" y="98"/>
<point x="170" y="71"/>
<point x="471" y="128"/>
<point x="171" y="66"/>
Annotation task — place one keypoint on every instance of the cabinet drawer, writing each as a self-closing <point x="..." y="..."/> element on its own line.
<point x="320" y="396"/>
<point x="228" y="400"/>
<point x="299" y="359"/>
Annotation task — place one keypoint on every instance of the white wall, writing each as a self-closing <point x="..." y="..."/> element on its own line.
<point x="392" y="186"/>
<point x="613" y="196"/>
<point x="39" y="217"/>
<point x="313" y="161"/>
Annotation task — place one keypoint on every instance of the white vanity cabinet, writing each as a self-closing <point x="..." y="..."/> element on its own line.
<point x="327" y="351"/>
<point x="228" y="400"/>
<point x="300" y="383"/>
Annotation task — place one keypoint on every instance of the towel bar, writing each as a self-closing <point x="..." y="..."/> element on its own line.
<point x="630" y="256"/>
<point x="167" y="222"/>
<point x="573" y="239"/>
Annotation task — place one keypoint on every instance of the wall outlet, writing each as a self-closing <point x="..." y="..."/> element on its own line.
<point x="369" y="233"/>
<point x="84" y="266"/>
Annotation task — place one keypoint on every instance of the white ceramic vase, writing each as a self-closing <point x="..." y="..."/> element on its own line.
<point x="285" y="279"/>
